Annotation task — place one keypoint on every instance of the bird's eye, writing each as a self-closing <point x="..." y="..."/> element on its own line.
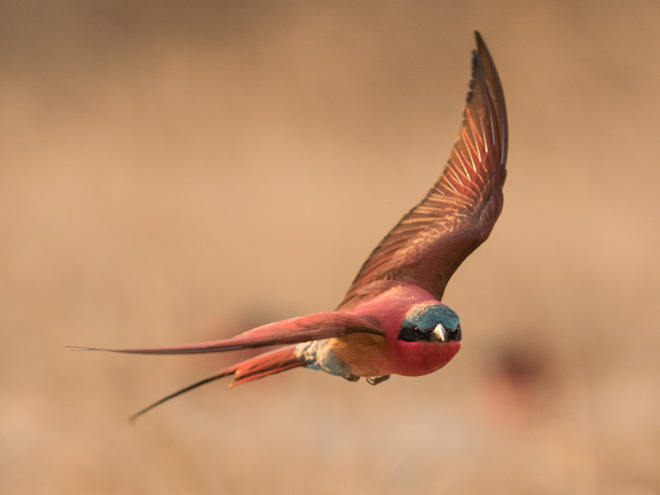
<point x="411" y="334"/>
<point x="458" y="334"/>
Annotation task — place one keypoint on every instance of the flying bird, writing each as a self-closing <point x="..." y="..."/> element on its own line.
<point x="392" y="321"/>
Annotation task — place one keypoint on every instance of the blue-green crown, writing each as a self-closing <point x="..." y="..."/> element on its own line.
<point x="427" y="317"/>
<point x="432" y="323"/>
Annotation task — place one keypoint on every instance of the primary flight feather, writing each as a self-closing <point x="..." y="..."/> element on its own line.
<point x="391" y="320"/>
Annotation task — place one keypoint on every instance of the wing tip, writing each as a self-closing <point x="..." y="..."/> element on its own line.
<point x="483" y="66"/>
<point x="482" y="50"/>
<point x="481" y="44"/>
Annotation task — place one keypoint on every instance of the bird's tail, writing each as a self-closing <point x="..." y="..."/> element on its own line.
<point x="266" y="364"/>
<point x="256" y="367"/>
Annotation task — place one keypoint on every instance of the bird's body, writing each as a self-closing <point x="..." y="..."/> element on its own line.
<point x="368" y="355"/>
<point x="391" y="320"/>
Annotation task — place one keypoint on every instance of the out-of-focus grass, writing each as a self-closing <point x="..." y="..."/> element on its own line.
<point x="173" y="173"/>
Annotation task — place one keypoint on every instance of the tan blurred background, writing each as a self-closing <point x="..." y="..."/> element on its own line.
<point x="181" y="171"/>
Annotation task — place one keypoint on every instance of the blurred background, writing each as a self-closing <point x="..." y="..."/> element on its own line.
<point x="172" y="172"/>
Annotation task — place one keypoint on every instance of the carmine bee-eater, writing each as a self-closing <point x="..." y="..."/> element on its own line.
<point x="391" y="320"/>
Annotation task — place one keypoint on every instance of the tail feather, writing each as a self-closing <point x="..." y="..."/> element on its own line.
<point x="259" y="366"/>
<point x="266" y="364"/>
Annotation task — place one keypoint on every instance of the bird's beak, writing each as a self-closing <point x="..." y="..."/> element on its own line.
<point x="440" y="334"/>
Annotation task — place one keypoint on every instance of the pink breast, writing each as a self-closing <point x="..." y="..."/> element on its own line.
<point x="421" y="358"/>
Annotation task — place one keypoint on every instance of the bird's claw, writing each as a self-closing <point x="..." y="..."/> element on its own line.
<point x="375" y="380"/>
<point x="351" y="377"/>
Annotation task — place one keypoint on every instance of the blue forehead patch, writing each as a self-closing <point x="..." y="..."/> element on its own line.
<point x="427" y="317"/>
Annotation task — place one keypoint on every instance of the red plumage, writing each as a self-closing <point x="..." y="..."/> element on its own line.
<point x="391" y="320"/>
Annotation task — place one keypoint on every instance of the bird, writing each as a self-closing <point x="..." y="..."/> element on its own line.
<point x="391" y="321"/>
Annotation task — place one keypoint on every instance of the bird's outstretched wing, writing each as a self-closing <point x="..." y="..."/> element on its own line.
<point x="458" y="213"/>
<point x="293" y="331"/>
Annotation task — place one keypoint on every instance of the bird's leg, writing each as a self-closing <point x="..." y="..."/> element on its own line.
<point x="375" y="380"/>
<point x="351" y="377"/>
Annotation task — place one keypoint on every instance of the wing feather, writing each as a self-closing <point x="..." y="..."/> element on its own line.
<point x="458" y="213"/>
<point x="293" y="331"/>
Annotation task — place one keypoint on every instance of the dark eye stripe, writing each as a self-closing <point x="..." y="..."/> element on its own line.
<point x="413" y="334"/>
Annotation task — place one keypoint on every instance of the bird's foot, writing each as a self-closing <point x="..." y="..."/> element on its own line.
<point x="351" y="377"/>
<point x="375" y="380"/>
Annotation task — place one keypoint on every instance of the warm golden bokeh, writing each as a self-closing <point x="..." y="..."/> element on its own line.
<point x="181" y="171"/>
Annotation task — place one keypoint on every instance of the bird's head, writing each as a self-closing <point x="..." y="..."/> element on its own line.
<point x="432" y="323"/>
